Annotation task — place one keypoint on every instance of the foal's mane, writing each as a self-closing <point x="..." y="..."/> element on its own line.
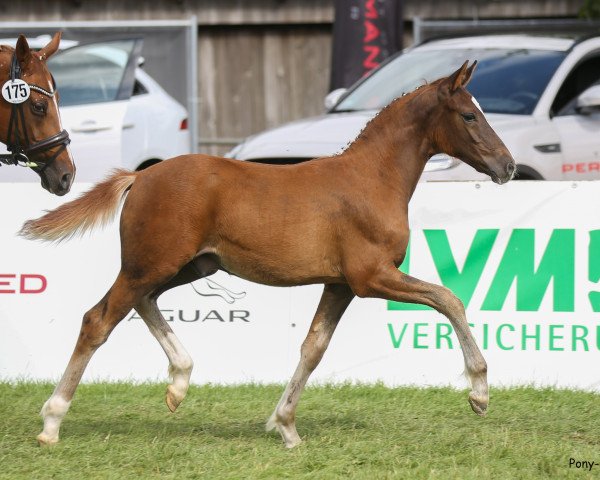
<point x="395" y="104"/>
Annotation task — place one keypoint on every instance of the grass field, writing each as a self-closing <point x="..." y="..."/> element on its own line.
<point x="364" y="432"/>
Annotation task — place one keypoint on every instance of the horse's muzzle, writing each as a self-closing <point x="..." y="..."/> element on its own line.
<point x="58" y="188"/>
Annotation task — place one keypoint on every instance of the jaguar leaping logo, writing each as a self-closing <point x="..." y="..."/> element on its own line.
<point x="210" y="288"/>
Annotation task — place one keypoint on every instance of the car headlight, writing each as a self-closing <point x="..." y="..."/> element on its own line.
<point x="441" y="161"/>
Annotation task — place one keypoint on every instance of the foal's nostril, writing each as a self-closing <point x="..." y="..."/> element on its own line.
<point x="510" y="168"/>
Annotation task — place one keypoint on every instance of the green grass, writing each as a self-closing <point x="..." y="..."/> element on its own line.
<point x="351" y="432"/>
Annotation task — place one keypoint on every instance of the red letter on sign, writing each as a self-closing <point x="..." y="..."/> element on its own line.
<point x="370" y="10"/>
<point x="567" y="167"/>
<point x="371" y="32"/>
<point x="6" y="283"/>
<point x="370" y="61"/>
<point x="32" y="276"/>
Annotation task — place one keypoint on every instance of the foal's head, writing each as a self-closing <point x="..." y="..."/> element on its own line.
<point x="464" y="132"/>
<point x="31" y="125"/>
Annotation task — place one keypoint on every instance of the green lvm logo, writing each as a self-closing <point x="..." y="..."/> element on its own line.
<point x="555" y="270"/>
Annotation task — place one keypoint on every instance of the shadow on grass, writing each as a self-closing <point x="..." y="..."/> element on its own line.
<point x="83" y="427"/>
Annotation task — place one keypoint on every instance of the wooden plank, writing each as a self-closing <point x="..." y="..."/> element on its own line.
<point x="256" y="80"/>
<point x="270" y="12"/>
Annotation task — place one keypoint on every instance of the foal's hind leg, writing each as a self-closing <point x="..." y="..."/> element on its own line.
<point x="333" y="303"/>
<point x="180" y="363"/>
<point x="97" y="325"/>
<point x="391" y="284"/>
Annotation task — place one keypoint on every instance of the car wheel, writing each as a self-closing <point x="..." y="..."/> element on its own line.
<point x="527" y="173"/>
<point x="147" y="163"/>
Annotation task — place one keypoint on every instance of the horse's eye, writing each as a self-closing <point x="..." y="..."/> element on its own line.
<point x="468" y="117"/>
<point x="39" y="108"/>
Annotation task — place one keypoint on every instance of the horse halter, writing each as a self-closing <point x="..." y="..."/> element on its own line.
<point x="20" y="148"/>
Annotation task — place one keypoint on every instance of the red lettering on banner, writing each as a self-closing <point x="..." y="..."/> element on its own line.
<point x="594" y="167"/>
<point x="371" y="32"/>
<point x="567" y="167"/>
<point x="370" y="10"/>
<point x="29" y="279"/>
<point x="369" y="62"/>
<point x="27" y="283"/>
<point x="580" y="168"/>
<point x="4" y="283"/>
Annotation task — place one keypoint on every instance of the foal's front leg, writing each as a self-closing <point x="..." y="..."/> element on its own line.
<point x="335" y="299"/>
<point x="391" y="284"/>
<point x="180" y="362"/>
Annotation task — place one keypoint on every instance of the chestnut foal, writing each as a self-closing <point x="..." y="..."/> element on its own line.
<point x="29" y="117"/>
<point x="341" y="221"/>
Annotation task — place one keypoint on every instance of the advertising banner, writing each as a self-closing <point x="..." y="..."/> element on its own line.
<point x="365" y="33"/>
<point x="523" y="257"/>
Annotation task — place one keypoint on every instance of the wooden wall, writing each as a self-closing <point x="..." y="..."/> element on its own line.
<point x="269" y="12"/>
<point x="264" y="62"/>
<point x="253" y="79"/>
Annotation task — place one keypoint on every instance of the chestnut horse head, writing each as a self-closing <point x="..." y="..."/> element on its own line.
<point x="464" y="131"/>
<point x="29" y="118"/>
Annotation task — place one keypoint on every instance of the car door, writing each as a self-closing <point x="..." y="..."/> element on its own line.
<point x="580" y="143"/>
<point x="95" y="82"/>
<point x="579" y="133"/>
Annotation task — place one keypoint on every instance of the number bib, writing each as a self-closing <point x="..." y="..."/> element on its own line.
<point x="15" y="91"/>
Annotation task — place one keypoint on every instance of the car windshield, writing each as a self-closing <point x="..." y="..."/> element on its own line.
<point x="505" y="81"/>
<point x="90" y="73"/>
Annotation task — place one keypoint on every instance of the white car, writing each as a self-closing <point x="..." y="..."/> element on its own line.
<point x="115" y="113"/>
<point x="540" y="94"/>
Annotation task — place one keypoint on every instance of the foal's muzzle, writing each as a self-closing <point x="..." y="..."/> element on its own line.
<point x="504" y="174"/>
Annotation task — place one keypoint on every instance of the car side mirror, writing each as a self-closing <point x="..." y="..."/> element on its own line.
<point x="589" y="101"/>
<point x="333" y="97"/>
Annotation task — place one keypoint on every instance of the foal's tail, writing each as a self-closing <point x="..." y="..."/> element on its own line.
<point x="97" y="206"/>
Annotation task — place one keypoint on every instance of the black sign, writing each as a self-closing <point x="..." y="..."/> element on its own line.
<point x="365" y="33"/>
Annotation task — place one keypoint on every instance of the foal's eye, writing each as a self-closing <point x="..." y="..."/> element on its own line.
<point x="468" y="117"/>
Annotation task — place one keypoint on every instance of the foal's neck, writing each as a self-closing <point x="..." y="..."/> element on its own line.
<point x="398" y="138"/>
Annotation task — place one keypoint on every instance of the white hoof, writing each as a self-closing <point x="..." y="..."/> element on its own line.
<point x="46" y="440"/>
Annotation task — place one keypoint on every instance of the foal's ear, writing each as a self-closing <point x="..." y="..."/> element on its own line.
<point x="456" y="80"/>
<point x="51" y="48"/>
<point x="469" y="74"/>
<point x="22" y="50"/>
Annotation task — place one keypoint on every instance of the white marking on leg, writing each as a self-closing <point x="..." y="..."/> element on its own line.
<point x="52" y="412"/>
<point x="57" y="406"/>
<point x="333" y="302"/>
<point x="283" y="418"/>
<point x="180" y="362"/>
<point x="180" y="368"/>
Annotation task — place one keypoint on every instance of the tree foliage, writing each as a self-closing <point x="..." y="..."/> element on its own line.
<point x="590" y="9"/>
